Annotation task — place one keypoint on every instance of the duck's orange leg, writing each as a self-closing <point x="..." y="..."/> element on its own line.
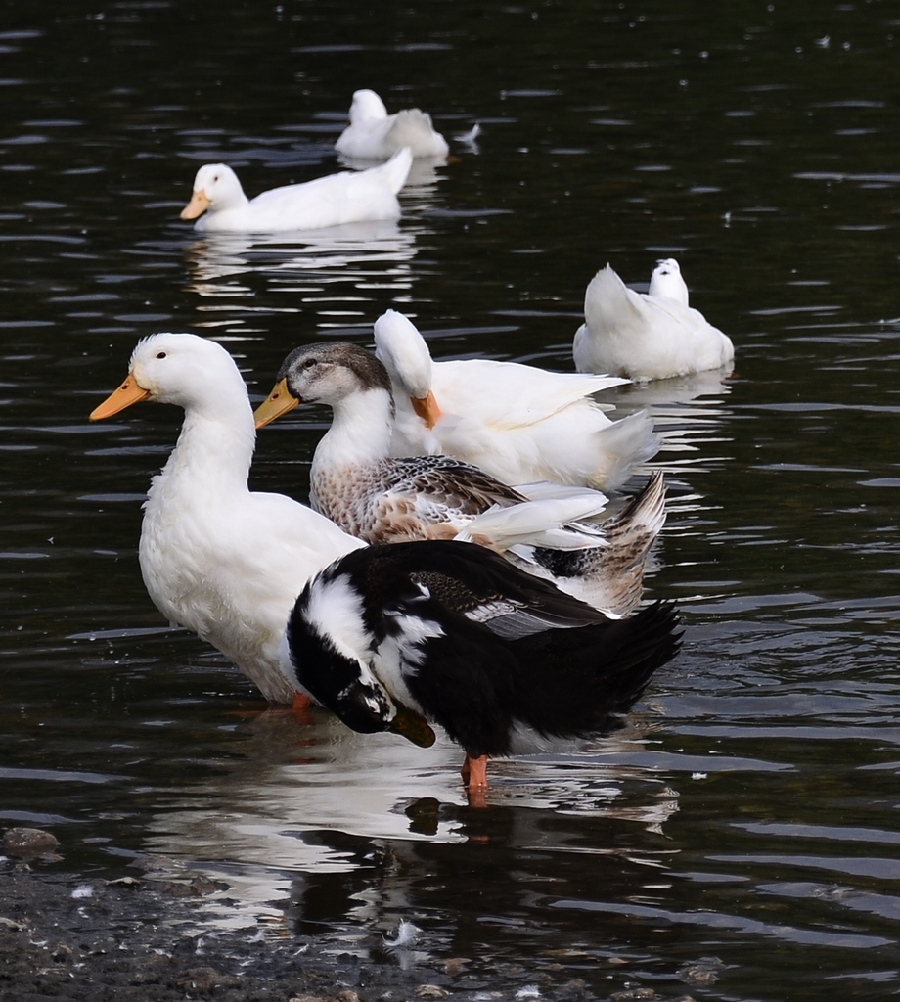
<point x="474" y="771"/>
<point x="300" y="708"/>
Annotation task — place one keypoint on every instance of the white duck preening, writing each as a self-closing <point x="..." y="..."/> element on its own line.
<point x="346" y="197"/>
<point x="355" y="482"/>
<point x="644" y="337"/>
<point x="218" y="559"/>
<point x="373" y="134"/>
<point x="516" y="422"/>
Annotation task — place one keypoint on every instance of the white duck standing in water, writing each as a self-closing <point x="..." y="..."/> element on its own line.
<point x="217" y="558"/>
<point x="644" y="337"/>
<point x="396" y="637"/>
<point x="220" y="206"/>
<point x="355" y="482"/>
<point x="516" y="422"/>
<point x="373" y="134"/>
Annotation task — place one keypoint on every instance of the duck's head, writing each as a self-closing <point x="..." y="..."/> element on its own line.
<point x="366" y="105"/>
<point x="323" y="373"/>
<point x="215" y="186"/>
<point x="327" y="643"/>
<point x="405" y="355"/>
<point x="667" y="281"/>
<point x="181" y="369"/>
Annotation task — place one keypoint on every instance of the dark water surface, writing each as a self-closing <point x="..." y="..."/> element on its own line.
<point x="740" y="839"/>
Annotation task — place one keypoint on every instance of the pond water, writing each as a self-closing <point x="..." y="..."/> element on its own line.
<point x="739" y="838"/>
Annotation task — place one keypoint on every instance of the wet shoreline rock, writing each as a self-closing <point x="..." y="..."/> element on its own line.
<point x="92" y="940"/>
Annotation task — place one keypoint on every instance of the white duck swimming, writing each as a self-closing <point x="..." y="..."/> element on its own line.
<point x="225" y="562"/>
<point x="346" y="197"/>
<point x="355" y="482"/>
<point x="653" y="336"/>
<point x="390" y="637"/>
<point x="516" y="422"/>
<point x="373" y="134"/>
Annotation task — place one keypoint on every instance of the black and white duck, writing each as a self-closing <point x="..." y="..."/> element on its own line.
<point x="357" y="483"/>
<point x="402" y="636"/>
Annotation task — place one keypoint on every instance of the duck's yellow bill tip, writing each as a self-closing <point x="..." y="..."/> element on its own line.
<point x="123" y="396"/>
<point x="196" y="207"/>
<point x="278" y="402"/>
<point x="427" y="408"/>
<point x="412" y="726"/>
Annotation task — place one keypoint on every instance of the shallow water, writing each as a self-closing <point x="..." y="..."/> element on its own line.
<point x="738" y="839"/>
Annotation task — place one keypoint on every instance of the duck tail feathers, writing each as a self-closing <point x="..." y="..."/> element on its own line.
<point x="627" y="444"/>
<point x="396" y="170"/>
<point x="538" y="523"/>
<point x="610" y="307"/>
<point x="610" y="577"/>
<point x="591" y="675"/>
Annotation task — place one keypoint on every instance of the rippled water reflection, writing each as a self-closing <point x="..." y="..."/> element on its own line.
<point x="738" y="838"/>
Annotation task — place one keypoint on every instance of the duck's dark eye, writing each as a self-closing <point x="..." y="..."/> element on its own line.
<point x="160" y="354"/>
<point x="309" y="363"/>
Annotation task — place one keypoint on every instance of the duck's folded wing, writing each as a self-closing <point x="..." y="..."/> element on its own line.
<point x="447" y="482"/>
<point x="476" y="583"/>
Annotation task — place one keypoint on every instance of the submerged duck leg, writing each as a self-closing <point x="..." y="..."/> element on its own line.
<point x="474" y="771"/>
<point x="300" y="708"/>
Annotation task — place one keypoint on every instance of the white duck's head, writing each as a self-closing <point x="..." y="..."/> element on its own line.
<point x="216" y="186"/>
<point x="325" y="373"/>
<point x="181" y="369"/>
<point x="403" y="352"/>
<point x="667" y="281"/>
<point x="366" y="106"/>
<point x="405" y="355"/>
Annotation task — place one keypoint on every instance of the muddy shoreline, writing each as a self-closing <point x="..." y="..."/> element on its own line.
<point x="139" y="940"/>
<point x="134" y="940"/>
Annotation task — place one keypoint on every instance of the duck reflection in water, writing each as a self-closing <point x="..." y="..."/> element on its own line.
<point x="351" y="253"/>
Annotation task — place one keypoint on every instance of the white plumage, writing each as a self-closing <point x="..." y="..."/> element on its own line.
<point x="225" y="562"/>
<point x="347" y="197"/>
<point x="643" y="337"/>
<point x="373" y="134"/>
<point x="517" y="422"/>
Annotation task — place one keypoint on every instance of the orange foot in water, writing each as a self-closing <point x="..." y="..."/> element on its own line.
<point x="300" y="708"/>
<point x="474" y="771"/>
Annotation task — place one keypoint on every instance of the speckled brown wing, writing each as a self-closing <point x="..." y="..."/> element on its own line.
<point x="401" y="500"/>
<point x="451" y="484"/>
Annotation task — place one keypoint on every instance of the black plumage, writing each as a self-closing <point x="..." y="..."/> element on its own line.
<point x="457" y="635"/>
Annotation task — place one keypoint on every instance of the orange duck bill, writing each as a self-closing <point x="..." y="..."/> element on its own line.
<point x="123" y="396"/>
<point x="278" y="402"/>
<point x="427" y="408"/>
<point x="198" y="204"/>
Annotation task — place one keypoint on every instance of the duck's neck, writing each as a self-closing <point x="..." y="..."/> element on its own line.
<point x="360" y="433"/>
<point x="213" y="452"/>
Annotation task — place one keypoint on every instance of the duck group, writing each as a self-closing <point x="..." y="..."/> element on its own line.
<point x="466" y="559"/>
<point x="422" y="629"/>
<point x="380" y="498"/>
